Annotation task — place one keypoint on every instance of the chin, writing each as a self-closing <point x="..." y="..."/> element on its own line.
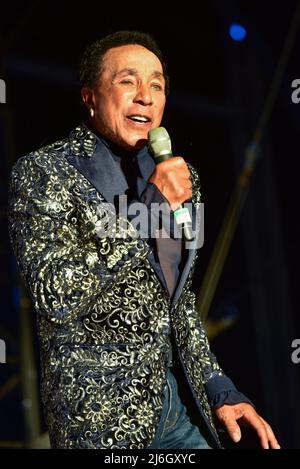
<point x="135" y="144"/>
<point x="140" y="143"/>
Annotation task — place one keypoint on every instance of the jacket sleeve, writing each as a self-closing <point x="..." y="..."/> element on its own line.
<point x="64" y="270"/>
<point x="219" y="388"/>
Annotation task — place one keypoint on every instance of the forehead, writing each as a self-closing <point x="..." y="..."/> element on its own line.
<point x="131" y="56"/>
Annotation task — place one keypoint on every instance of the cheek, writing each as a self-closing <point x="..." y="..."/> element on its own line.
<point x="162" y="106"/>
<point x="109" y="115"/>
<point x="101" y="107"/>
<point x="116" y="108"/>
<point x="160" y="113"/>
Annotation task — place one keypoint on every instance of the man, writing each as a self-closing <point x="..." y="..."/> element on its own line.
<point x="109" y="307"/>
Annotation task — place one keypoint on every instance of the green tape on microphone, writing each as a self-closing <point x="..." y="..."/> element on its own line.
<point x="182" y="215"/>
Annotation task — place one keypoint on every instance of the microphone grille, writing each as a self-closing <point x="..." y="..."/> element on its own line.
<point x="159" y="142"/>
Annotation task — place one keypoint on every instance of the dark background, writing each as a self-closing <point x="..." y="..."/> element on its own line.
<point x="218" y="89"/>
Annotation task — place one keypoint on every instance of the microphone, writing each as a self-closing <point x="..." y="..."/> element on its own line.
<point x="159" y="143"/>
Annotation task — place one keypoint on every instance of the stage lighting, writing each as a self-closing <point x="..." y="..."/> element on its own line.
<point x="237" y="32"/>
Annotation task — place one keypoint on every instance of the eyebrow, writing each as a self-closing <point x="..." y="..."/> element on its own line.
<point x="134" y="72"/>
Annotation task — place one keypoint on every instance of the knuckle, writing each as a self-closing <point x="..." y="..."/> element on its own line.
<point x="180" y="191"/>
<point x="180" y="162"/>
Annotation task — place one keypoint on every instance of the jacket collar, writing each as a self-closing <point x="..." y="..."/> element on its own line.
<point x="92" y="157"/>
<point x="82" y="141"/>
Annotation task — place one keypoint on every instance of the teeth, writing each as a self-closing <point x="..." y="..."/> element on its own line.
<point x="140" y="118"/>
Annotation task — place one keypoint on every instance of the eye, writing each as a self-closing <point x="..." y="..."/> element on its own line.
<point x="157" y="86"/>
<point x="127" y="82"/>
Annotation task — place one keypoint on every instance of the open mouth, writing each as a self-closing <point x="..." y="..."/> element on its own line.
<point x="139" y="118"/>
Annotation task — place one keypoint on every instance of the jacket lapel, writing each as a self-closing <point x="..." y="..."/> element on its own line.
<point x="190" y="252"/>
<point x="92" y="158"/>
<point x="97" y="166"/>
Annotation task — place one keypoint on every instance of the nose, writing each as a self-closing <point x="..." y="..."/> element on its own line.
<point x="143" y="95"/>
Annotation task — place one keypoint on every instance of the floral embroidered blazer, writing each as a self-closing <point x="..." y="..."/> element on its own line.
<point x="104" y="313"/>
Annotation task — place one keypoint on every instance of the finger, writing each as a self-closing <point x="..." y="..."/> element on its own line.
<point x="272" y="439"/>
<point x="178" y="161"/>
<point x="175" y="205"/>
<point x="184" y="173"/>
<point x="232" y="428"/>
<point x="180" y="165"/>
<point x="180" y="175"/>
<point x="256" y="422"/>
<point x="187" y="184"/>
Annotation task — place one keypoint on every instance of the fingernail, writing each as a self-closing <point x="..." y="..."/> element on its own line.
<point x="236" y="437"/>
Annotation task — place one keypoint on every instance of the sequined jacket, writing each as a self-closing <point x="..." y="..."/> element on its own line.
<point x="104" y="315"/>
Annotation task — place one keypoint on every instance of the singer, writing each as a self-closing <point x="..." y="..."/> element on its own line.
<point x="119" y="334"/>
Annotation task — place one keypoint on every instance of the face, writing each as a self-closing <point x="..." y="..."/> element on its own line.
<point x="129" y="98"/>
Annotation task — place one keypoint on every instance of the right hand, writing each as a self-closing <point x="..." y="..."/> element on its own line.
<point x="172" y="179"/>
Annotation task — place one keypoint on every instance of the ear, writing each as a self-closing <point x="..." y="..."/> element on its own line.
<point x="87" y="96"/>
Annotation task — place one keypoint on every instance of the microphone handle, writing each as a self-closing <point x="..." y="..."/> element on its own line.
<point x="188" y="232"/>
<point x="181" y="214"/>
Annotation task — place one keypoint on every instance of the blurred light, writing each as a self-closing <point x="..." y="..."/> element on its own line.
<point x="237" y="32"/>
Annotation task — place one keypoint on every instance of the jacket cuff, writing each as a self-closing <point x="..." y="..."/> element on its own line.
<point x="221" y="390"/>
